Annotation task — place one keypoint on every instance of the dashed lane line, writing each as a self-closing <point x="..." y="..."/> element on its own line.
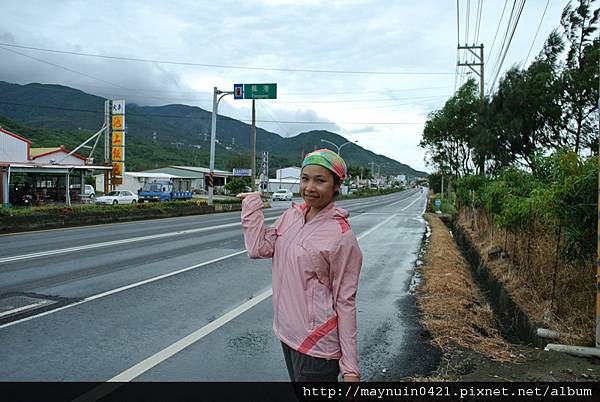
<point x="119" y="242"/>
<point x="153" y="279"/>
<point x="122" y="288"/>
<point x="171" y="350"/>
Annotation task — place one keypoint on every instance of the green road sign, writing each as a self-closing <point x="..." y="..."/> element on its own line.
<point x="260" y="91"/>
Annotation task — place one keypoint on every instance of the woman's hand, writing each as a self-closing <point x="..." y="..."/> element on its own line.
<point x="241" y="196"/>
<point x="350" y="378"/>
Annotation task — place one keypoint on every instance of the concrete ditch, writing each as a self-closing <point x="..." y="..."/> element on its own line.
<point x="514" y="324"/>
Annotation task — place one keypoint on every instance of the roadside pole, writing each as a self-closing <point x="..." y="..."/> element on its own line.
<point x="213" y="134"/>
<point x="598" y="239"/>
<point x="106" y="143"/>
<point x="213" y="137"/>
<point x="254" y="91"/>
<point x="253" y="131"/>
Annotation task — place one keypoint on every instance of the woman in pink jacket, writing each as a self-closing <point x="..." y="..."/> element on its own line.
<point x="316" y="265"/>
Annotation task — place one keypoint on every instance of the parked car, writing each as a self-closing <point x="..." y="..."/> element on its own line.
<point x="282" y="194"/>
<point x="117" y="197"/>
<point x="89" y="193"/>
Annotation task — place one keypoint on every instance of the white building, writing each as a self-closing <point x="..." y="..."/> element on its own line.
<point x="198" y="175"/>
<point x="292" y="172"/>
<point x="44" y="175"/>
<point x="56" y="155"/>
<point x="13" y="148"/>
<point x="286" y="178"/>
<point x="134" y="181"/>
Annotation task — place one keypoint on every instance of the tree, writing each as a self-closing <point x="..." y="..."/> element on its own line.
<point x="524" y="110"/>
<point x="580" y="76"/>
<point x="450" y="133"/>
<point x="237" y="185"/>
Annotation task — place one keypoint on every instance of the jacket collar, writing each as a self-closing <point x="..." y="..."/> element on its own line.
<point x="327" y="211"/>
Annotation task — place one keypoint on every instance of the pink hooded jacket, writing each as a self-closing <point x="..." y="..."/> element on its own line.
<point x="316" y="266"/>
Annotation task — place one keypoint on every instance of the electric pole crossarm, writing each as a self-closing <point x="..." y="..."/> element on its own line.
<point x="472" y="69"/>
<point x="81" y="145"/>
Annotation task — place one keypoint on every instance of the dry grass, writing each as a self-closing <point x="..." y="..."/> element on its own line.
<point x="453" y="309"/>
<point x="528" y="275"/>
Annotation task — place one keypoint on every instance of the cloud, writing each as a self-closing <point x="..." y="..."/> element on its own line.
<point x="285" y="122"/>
<point x="350" y="35"/>
<point x="361" y="130"/>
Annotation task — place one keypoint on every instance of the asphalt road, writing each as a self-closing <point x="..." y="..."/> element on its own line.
<point x="178" y="299"/>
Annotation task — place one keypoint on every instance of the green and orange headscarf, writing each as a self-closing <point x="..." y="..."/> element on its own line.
<point x="327" y="159"/>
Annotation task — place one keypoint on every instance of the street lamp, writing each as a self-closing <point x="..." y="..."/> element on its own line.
<point x="339" y="148"/>
<point x="213" y="135"/>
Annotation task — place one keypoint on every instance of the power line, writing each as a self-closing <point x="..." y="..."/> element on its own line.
<point x="63" y="67"/>
<point x="537" y="31"/>
<point x="71" y="70"/>
<point x="478" y="24"/>
<point x="468" y="12"/>
<point x="220" y="117"/>
<point x="277" y="101"/>
<point x="209" y="97"/>
<point x="182" y="63"/>
<point x="263" y="107"/>
<point x="504" y="37"/>
<point x="498" y="27"/>
<point x="457" y="43"/>
<point x="518" y="17"/>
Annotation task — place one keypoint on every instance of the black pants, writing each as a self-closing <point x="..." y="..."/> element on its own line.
<point x="305" y="368"/>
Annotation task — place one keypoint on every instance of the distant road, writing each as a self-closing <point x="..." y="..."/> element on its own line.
<point x="178" y="299"/>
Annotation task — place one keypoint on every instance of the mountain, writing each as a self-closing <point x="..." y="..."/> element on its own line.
<point x="51" y="115"/>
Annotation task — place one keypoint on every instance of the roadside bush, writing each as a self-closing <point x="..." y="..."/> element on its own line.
<point x="547" y="221"/>
<point x="96" y="208"/>
<point x="368" y="192"/>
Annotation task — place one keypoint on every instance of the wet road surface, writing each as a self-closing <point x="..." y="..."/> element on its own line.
<point x="178" y="299"/>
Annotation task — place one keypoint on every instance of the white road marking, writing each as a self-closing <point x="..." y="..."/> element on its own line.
<point x="417" y="199"/>
<point x="398" y="202"/>
<point x="152" y="361"/>
<point x="156" y="278"/>
<point x="183" y="343"/>
<point x="137" y="239"/>
<point x="119" y="242"/>
<point x="27" y="307"/>
<point x="122" y="288"/>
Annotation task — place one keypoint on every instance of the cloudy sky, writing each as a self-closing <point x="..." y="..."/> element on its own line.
<point x="368" y="70"/>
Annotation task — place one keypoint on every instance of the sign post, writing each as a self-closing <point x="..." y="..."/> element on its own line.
<point x="117" y="142"/>
<point x="254" y="92"/>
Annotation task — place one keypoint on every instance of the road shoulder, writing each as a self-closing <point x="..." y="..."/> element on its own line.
<point x="462" y="325"/>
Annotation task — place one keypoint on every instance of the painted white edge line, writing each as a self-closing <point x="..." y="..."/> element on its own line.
<point x="119" y="242"/>
<point x="406" y="207"/>
<point x="27" y="307"/>
<point x="156" y="278"/>
<point x="154" y="360"/>
<point x="399" y="201"/>
<point x="183" y="343"/>
<point x="121" y="289"/>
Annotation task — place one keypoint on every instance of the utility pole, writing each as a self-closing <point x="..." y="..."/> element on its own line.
<point x="213" y="136"/>
<point x="598" y="245"/>
<point x="253" y="132"/>
<point x="479" y="58"/>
